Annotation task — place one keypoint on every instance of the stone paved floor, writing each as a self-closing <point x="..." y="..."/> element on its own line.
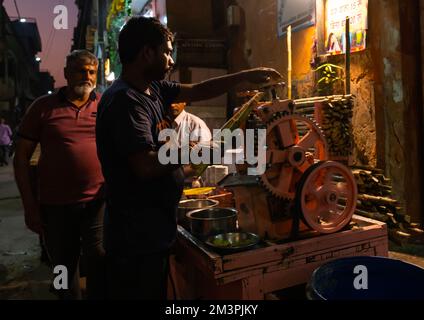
<point x="22" y="275"/>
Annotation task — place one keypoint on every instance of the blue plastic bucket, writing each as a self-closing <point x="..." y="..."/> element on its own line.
<point x="366" y="278"/>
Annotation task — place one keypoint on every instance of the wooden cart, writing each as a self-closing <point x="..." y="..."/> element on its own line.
<point x="199" y="273"/>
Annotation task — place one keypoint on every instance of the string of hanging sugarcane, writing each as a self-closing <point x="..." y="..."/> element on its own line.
<point x="335" y="120"/>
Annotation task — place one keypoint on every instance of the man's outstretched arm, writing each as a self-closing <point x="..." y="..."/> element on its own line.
<point x="217" y="86"/>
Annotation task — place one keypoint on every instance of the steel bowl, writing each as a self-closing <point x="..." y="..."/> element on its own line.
<point x="185" y="206"/>
<point x="212" y="221"/>
<point x="233" y="242"/>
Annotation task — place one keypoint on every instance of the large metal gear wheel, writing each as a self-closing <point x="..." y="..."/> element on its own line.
<point x="294" y="143"/>
<point x="326" y="196"/>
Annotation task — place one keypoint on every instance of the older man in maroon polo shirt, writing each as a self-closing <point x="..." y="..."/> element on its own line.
<point x="68" y="209"/>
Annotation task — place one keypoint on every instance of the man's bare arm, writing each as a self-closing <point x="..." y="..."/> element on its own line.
<point x="216" y="86"/>
<point x="21" y="163"/>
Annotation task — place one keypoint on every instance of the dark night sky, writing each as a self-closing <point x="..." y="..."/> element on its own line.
<point x="56" y="44"/>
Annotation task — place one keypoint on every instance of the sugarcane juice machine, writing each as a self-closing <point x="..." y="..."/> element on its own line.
<point x="300" y="190"/>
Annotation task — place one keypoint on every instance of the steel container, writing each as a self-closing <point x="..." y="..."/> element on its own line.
<point x="233" y="242"/>
<point x="185" y="206"/>
<point x="212" y="221"/>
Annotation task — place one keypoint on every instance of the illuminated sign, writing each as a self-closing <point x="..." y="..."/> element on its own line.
<point x="335" y="25"/>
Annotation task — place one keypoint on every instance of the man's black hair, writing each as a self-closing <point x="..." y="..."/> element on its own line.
<point x="138" y="32"/>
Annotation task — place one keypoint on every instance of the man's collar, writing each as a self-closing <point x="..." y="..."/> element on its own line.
<point x="180" y="117"/>
<point x="62" y="94"/>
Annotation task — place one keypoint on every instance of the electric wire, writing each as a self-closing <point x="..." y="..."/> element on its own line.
<point x="17" y="9"/>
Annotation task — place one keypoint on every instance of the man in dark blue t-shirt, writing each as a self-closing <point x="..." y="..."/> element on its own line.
<point x="143" y="194"/>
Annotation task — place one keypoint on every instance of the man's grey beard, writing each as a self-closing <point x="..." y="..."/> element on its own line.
<point x="84" y="89"/>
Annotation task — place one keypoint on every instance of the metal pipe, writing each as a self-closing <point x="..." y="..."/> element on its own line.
<point x="322" y="99"/>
